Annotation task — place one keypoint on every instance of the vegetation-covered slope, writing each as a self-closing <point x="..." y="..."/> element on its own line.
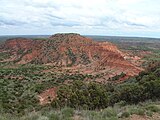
<point x="20" y="89"/>
<point x="34" y="86"/>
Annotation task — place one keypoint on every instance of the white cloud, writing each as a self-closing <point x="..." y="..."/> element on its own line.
<point x="128" y="2"/>
<point x="86" y="16"/>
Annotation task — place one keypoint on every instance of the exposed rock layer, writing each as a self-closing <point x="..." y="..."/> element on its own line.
<point x="70" y="50"/>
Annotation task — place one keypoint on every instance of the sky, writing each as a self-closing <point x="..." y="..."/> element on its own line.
<point x="139" y="18"/>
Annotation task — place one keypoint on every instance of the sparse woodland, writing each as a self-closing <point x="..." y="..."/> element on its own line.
<point x="78" y="96"/>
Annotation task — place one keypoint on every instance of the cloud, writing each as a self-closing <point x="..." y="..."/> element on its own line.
<point x="83" y="16"/>
<point x="129" y="2"/>
<point x="7" y="22"/>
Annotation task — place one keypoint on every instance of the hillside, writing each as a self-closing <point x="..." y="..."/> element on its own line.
<point x="69" y="70"/>
<point x="20" y="88"/>
<point x="70" y="51"/>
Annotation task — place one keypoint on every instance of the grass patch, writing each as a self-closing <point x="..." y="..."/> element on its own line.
<point x="54" y="116"/>
<point x="152" y="108"/>
<point x="67" y="112"/>
<point x="109" y="112"/>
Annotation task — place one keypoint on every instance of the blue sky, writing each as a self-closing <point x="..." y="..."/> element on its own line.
<point x="87" y="17"/>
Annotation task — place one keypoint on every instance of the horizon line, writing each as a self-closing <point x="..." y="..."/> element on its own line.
<point x="129" y="36"/>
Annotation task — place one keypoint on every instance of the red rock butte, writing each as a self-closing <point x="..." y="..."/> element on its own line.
<point x="71" y="51"/>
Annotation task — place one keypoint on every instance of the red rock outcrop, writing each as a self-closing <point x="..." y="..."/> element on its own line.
<point x="71" y="50"/>
<point x="47" y="96"/>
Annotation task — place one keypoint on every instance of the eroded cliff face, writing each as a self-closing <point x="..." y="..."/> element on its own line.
<point x="71" y="51"/>
<point x="18" y="43"/>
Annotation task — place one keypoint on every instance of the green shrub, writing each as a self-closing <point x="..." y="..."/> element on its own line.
<point x="149" y="113"/>
<point x="137" y="111"/>
<point x="54" y="116"/>
<point x="133" y="111"/>
<point x="32" y="117"/>
<point x="43" y="118"/>
<point x="67" y="112"/>
<point x="140" y="111"/>
<point x="111" y="118"/>
<point x="125" y="114"/>
<point x="152" y="108"/>
<point x="92" y="115"/>
<point x="109" y="112"/>
<point x="121" y="103"/>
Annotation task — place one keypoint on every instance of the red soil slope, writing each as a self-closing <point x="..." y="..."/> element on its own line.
<point x="72" y="51"/>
